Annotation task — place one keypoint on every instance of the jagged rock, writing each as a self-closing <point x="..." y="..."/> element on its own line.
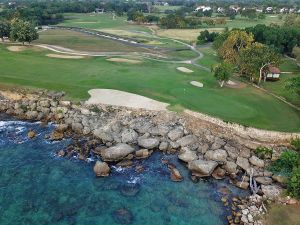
<point x="187" y="140"/>
<point x="125" y="163"/>
<point x="163" y="146"/>
<point x="160" y="130"/>
<point x="101" y="169"/>
<point x="242" y="184"/>
<point x="245" y="153"/>
<point x="188" y="156"/>
<point x="142" y="153"/>
<point x="264" y="180"/>
<point x="232" y="151"/>
<point x="45" y="103"/>
<point x="129" y="136"/>
<point x="219" y="143"/>
<point x="175" y="134"/>
<point x="148" y="143"/>
<point x="257" y="161"/>
<point x="117" y="152"/>
<point x="31" y="134"/>
<point x="104" y="135"/>
<point x="56" y="135"/>
<point x="243" y="163"/>
<point x="271" y="191"/>
<point x="203" y="148"/>
<point x="175" y="175"/>
<point x="99" y="149"/>
<point x="216" y="155"/>
<point x="201" y="167"/>
<point x="77" y="127"/>
<point x="32" y="115"/>
<point x="61" y="153"/>
<point x="280" y="179"/>
<point x="218" y="173"/>
<point x="230" y="167"/>
<point x="62" y="127"/>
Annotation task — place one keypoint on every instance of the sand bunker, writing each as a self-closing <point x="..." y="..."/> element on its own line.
<point x="196" y="84"/>
<point x="16" y="48"/>
<point x="121" y="98"/>
<point x="124" y="60"/>
<point x="64" y="56"/>
<point x="184" y="70"/>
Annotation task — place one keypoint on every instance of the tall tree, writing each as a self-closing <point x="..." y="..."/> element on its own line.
<point x="296" y="53"/>
<point x="4" y="29"/>
<point x="222" y="72"/>
<point x="236" y="41"/>
<point x="293" y="84"/>
<point x="255" y="59"/>
<point x="23" y="31"/>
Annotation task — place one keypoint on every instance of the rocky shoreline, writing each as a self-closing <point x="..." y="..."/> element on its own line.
<point x="118" y="135"/>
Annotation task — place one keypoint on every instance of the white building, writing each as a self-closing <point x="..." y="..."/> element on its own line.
<point x="203" y="8"/>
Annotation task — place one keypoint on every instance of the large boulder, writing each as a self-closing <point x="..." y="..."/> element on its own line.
<point x="148" y="143"/>
<point x="216" y="155"/>
<point x="175" y="134"/>
<point x="101" y="169"/>
<point x="117" y="152"/>
<point x="104" y="135"/>
<point x="264" y="180"/>
<point x="129" y="136"/>
<point x="202" y="168"/>
<point x="230" y="167"/>
<point x="188" y="156"/>
<point x="187" y="140"/>
<point x="243" y="163"/>
<point x="257" y="161"/>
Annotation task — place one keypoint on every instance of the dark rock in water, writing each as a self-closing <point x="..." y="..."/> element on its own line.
<point x="175" y="174"/>
<point x="56" y="135"/>
<point x="219" y="173"/>
<point x="125" y="163"/>
<point x="61" y="153"/>
<point x="101" y="169"/>
<point x="31" y="134"/>
<point x="139" y="169"/>
<point x="123" y="216"/>
<point x="130" y="190"/>
<point x="224" y="190"/>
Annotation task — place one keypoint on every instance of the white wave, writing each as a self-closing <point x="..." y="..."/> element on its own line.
<point x="133" y="180"/>
<point x="118" y="168"/>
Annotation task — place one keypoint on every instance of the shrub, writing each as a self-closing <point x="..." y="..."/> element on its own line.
<point x="295" y="143"/>
<point x="263" y="152"/>
<point x="294" y="183"/>
<point x="286" y="162"/>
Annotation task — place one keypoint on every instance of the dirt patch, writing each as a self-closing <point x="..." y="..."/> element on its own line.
<point x="16" y="48"/>
<point x="196" y="84"/>
<point x="184" y="70"/>
<point x="121" y="98"/>
<point x="132" y="61"/>
<point x="65" y="56"/>
<point x="235" y="84"/>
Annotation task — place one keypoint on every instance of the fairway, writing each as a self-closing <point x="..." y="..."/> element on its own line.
<point x="156" y="80"/>
<point x="84" y="42"/>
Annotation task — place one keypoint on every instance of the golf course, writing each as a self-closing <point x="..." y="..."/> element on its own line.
<point x="154" y="76"/>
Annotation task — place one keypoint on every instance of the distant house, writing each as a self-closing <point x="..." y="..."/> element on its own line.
<point x="269" y="9"/>
<point x="272" y="73"/>
<point x="203" y="8"/>
<point x="259" y="10"/>
<point x="235" y="8"/>
<point x="98" y="10"/>
<point x="220" y="10"/>
<point x="284" y="10"/>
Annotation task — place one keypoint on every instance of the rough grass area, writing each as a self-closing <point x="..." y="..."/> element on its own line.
<point x="83" y="42"/>
<point x="210" y="56"/>
<point x="283" y="214"/>
<point x="156" y="80"/>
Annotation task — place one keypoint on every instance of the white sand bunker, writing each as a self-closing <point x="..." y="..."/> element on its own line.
<point x="235" y="84"/>
<point x="133" y="61"/>
<point x="16" y="48"/>
<point x="196" y="84"/>
<point x="121" y="98"/>
<point x="64" y="56"/>
<point x="184" y="70"/>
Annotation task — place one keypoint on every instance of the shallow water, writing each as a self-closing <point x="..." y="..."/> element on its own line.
<point x="37" y="187"/>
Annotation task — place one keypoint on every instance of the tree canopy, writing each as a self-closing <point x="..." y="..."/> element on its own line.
<point x="4" y="29"/>
<point x="23" y="31"/>
<point x="222" y="72"/>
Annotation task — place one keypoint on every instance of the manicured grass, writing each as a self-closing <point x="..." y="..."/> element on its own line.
<point x="278" y="87"/>
<point x="83" y="42"/>
<point x="160" y="81"/>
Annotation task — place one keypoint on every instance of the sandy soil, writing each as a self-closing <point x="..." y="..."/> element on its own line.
<point x="124" y="60"/>
<point x="65" y="56"/>
<point x="235" y="84"/>
<point x="196" y="84"/>
<point x="16" y="48"/>
<point x="121" y="98"/>
<point x="184" y="70"/>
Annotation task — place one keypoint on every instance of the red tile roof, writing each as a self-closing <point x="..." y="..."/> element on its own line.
<point x="273" y="69"/>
